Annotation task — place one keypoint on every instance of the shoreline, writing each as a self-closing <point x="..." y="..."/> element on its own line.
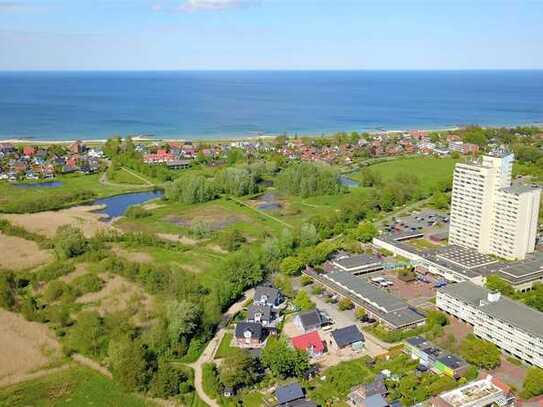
<point x="233" y="138"/>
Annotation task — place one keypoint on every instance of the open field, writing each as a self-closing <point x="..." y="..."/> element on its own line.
<point x="25" y="347"/>
<point x="221" y="214"/>
<point x="23" y="254"/>
<point x="119" y="294"/>
<point x="77" y="386"/>
<point x="430" y="171"/>
<point x="47" y="223"/>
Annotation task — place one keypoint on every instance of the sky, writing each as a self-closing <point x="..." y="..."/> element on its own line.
<point x="270" y="34"/>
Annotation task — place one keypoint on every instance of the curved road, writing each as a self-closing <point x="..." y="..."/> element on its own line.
<point x="209" y="352"/>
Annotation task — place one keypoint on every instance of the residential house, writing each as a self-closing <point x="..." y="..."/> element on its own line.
<point x="292" y="395"/>
<point x="260" y="313"/>
<point x="360" y="393"/>
<point x="267" y="295"/>
<point x="249" y="335"/>
<point x="29" y="151"/>
<point x="310" y="342"/>
<point x="349" y="336"/>
<point x="309" y="320"/>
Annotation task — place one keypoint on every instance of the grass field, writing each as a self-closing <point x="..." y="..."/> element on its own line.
<point x="76" y="386"/>
<point x="224" y="350"/>
<point x="430" y="171"/>
<point x="122" y="176"/>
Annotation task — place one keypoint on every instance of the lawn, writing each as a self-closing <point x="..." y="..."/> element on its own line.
<point x="430" y="171"/>
<point x="424" y="244"/>
<point x="122" y="176"/>
<point x="76" y="386"/>
<point x="339" y="381"/>
<point x="224" y="350"/>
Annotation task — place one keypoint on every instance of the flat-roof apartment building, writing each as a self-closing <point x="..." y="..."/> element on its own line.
<point x="513" y="326"/>
<point x="490" y="214"/>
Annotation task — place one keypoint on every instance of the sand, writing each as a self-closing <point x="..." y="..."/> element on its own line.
<point x="20" y="254"/>
<point x="47" y="223"/>
<point x="25" y="347"/>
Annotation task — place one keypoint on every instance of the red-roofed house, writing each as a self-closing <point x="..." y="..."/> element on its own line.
<point x="29" y="151"/>
<point x="310" y="343"/>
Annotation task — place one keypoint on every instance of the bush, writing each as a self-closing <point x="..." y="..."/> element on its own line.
<point x="69" y="242"/>
<point x="345" y="304"/>
<point x="479" y="352"/>
<point x="53" y="271"/>
<point x="137" y="212"/>
<point x="306" y="280"/>
<point x="533" y="383"/>
<point x="88" y="283"/>
<point x="316" y="290"/>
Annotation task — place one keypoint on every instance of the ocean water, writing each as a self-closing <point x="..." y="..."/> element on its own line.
<point x="221" y="104"/>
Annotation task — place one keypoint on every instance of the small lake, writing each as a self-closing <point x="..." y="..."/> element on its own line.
<point x="117" y="205"/>
<point x="52" y="184"/>
<point x="348" y="182"/>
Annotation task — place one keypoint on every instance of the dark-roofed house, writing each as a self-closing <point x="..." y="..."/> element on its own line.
<point x="249" y="335"/>
<point x="260" y="313"/>
<point x="349" y="336"/>
<point x="309" y="320"/>
<point x="289" y="393"/>
<point x="364" y="391"/>
<point x="266" y="295"/>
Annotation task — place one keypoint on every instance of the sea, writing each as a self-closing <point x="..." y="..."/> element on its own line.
<point x="227" y="104"/>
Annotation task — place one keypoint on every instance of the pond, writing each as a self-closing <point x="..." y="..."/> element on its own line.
<point x="52" y="184"/>
<point x="117" y="205"/>
<point x="348" y="182"/>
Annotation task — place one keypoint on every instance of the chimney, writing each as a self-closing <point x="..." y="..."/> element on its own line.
<point x="493" y="296"/>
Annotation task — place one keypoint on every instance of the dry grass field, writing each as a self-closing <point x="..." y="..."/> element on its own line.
<point x="25" y="347"/>
<point x="47" y="223"/>
<point x="20" y="254"/>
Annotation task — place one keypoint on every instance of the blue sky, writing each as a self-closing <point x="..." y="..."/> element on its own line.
<point x="270" y="34"/>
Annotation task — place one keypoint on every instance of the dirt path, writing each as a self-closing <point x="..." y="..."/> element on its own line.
<point x="10" y="381"/>
<point x="209" y="352"/>
<point x="288" y="225"/>
<point x="85" y="361"/>
<point x="146" y="181"/>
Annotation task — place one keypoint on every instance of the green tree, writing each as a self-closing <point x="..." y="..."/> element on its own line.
<point x="308" y="235"/>
<point x="533" y="383"/>
<point x="291" y="265"/>
<point x="282" y="360"/>
<point x="360" y="313"/>
<point x="238" y="370"/>
<point x="365" y="232"/>
<point x="127" y="364"/>
<point x="183" y="318"/>
<point x="303" y="302"/>
<point x="166" y="380"/>
<point x="69" y="242"/>
<point x="8" y="287"/>
<point x="345" y="304"/>
<point x="439" y="200"/>
<point x="479" y="352"/>
<point x="88" y="336"/>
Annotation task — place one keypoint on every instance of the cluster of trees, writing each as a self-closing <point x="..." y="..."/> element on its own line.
<point x="479" y="352"/>
<point x="309" y="179"/>
<point x="435" y="321"/>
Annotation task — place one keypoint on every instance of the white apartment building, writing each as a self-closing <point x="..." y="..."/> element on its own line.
<point x="512" y="326"/>
<point x="488" y="213"/>
<point x="480" y="393"/>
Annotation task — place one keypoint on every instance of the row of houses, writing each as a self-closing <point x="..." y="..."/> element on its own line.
<point x="37" y="162"/>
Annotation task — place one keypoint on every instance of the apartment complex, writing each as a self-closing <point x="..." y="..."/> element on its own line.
<point x="514" y="327"/>
<point x="490" y="214"/>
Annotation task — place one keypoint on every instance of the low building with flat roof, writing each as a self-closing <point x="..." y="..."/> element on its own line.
<point x="479" y="393"/>
<point x="357" y="263"/>
<point x="388" y="309"/>
<point x="511" y="325"/>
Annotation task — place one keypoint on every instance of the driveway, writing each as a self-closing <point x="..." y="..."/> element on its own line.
<point x="374" y="346"/>
<point x="209" y="352"/>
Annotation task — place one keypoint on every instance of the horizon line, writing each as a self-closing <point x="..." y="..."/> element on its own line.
<point x="279" y="70"/>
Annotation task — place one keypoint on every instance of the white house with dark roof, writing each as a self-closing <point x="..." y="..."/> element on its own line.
<point x="267" y="295"/>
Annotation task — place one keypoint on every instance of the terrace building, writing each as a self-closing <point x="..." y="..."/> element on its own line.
<point x="512" y="326"/>
<point x="435" y="358"/>
<point x="488" y="213"/>
<point x="357" y="264"/>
